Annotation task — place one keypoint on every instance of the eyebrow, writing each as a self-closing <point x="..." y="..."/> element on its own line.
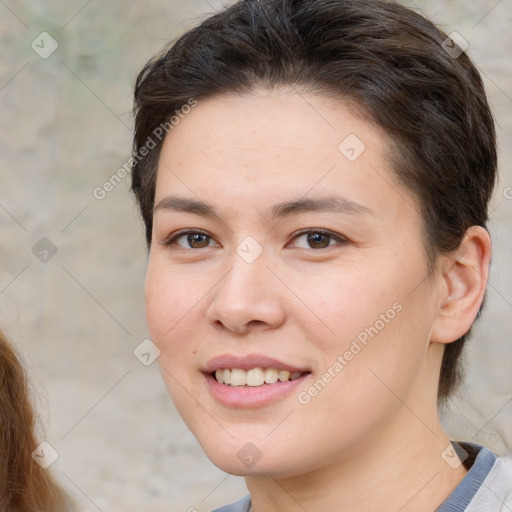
<point x="333" y="203"/>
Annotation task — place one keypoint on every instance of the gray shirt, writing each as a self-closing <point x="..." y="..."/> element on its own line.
<point x="487" y="486"/>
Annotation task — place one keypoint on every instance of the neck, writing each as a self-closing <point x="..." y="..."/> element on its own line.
<point x="391" y="472"/>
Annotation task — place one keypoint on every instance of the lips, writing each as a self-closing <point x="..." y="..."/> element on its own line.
<point x="228" y="361"/>
<point x="254" y="377"/>
<point x="251" y="381"/>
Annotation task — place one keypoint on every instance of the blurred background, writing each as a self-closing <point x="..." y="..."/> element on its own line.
<point x="72" y="264"/>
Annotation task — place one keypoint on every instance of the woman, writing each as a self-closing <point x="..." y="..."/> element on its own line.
<point x="24" y="485"/>
<point x="316" y="221"/>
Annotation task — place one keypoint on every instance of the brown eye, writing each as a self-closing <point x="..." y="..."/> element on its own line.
<point x="198" y="240"/>
<point x="189" y="240"/>
<point x="318" y="240"/>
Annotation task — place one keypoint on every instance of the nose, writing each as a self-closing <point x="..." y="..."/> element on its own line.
<point x="246" y="298"/>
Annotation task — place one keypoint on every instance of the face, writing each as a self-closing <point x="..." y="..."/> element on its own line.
<point x="287" y="284"/>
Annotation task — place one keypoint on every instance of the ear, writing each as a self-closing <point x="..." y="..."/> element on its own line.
<point x="463" y="282"/>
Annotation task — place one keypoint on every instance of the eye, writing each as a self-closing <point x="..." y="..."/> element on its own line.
<point x="317" y="239"/>
<point x="189" y="240"/>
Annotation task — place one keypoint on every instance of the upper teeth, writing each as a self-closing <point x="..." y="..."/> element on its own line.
<point x="254" y="376"/>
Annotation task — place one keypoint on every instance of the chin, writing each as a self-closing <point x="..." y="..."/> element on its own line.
<point x="259" y="458"/>
<point x="258" y="467"/>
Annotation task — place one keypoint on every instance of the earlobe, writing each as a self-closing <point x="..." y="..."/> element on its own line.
<point x="465" y="275"/>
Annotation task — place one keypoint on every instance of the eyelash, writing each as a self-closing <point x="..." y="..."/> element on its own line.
<point x="171" y="240"/>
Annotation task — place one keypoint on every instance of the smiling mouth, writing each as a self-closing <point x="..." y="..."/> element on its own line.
<point x="255" y="377"/>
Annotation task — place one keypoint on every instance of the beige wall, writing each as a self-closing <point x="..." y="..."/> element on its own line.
<point x="65" y="128"/>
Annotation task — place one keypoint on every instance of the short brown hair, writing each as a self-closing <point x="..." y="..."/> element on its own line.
<point x="387" y="59"/>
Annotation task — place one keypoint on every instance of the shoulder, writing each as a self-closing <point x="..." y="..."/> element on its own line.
<point x="495" y="493"/>
<point x="242" y="505"/>
<point x="487" y="484"/>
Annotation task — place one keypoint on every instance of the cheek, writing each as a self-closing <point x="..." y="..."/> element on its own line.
<point x="171" y="316"/>
<point x="167" y="305"/>
<point x="159" y="308"/>
<point x="373" y="317"/>
<point x="351" y="301"/>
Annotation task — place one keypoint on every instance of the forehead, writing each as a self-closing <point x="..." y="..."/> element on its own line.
<point x="269" y="145"/>
<point x="271" y="122"/>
